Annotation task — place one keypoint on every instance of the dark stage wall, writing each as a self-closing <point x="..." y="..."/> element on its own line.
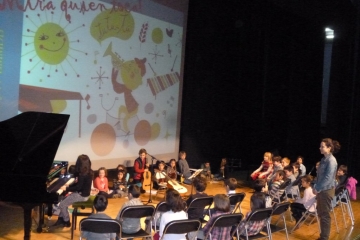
<point x="253" y="83"/>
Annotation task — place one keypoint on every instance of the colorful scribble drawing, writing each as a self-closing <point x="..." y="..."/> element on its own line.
<point x="160" y="83"/>
<point x="127" y="77"/>
<point x="99" y="78"/>
<point x="143" y="31"/>
<point x="155" y="54"/>
<point x="52" y="46"/>
<point x="118" y="24"/>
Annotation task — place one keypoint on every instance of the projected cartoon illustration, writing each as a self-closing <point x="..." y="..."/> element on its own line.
<point x="115" y="68"/>
<point x="109" y="23"/>
<point x="51" y="43"/>
<point x="52" y="46"/>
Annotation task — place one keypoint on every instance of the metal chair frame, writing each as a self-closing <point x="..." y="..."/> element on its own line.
<point x="306" y="215"/>
<point x="201" y="202"/>
<point x="259" y="215"/>
<point x="181" y="227"/>
<point x="280" y="210"/>
<point x="161" y="207"/>
<point x="226" y="220"/>
<point x="236" y="200"/>
<point x="98" y="225"/>
<point x="137" y="211"/>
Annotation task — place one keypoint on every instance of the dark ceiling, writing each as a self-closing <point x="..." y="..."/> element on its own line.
<point x="330" y="13"/>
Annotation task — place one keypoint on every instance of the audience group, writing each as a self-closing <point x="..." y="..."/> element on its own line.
<point x="274" y="181"/>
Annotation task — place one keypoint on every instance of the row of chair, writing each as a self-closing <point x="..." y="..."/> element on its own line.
<point x="235" y="202"/>
<point x="186" y="226"/>
<point x="342" y="200"/>
<point x="233" y="219"/>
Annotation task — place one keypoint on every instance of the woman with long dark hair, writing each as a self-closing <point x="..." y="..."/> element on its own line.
<point x="176" y="212"/>
<point x="324" y="187"/>
<point x="80" y="190"/>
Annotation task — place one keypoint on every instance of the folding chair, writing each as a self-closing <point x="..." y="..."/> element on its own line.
<point x="343" y="200"/>
<point x="89" y="204"/>
<point x="263" y="214"/>
<point x="182" y="227"/>
<point x="226" y="220"/>
<point x="100" y="226"/>
<point x="138" y="211"/>
<point x="235" y="201"/>
<point x="200" y="203"/>
<point x="308" y="213"/>
<point x="277" y="197"/>
<point x="161" y="207"/>
<point x="279" y="210"/>
<point x="291" y="195"/>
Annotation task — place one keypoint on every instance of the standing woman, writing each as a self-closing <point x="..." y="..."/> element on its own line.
<point x="324" y="187"/>
<point x="139" y="168"/>
<point x="80" y="190"/>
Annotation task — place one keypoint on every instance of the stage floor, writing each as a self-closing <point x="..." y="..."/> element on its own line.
<point x="11" y="219"/>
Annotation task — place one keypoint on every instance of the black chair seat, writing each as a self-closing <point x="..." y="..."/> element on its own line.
<point x="139" y="234"/>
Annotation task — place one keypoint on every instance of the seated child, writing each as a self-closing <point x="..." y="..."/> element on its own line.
<point x="285" y="162"/>
<point x="257" y="201"/>
<point x="265" y="168"/>
<point x="277" y="166"/>
<point x="176" y="212"/>
<point x="171" y="170"/>
<point x="221" y="206"/>
<point x="302" y="204"/>
<point x="121" y="167"/>
<point x="100" y="204"/>
<point x="102" y="184"/>
<point x="341" y="176"/>
<point x="131" y="225"/>
<point x="206" y="170"/>
<point x="159" y="178"/>
<point x="260" y="186"/>
<point x="223" y="171"/>
<point x="292" y="190"/>
<point x="230" y="185"/>
<point x="300" y="160"/>
<point x="297" y="170"/>
<point x="120" y="185"/>
<point x="200" y="186"/>
<point x="276" y="193"/>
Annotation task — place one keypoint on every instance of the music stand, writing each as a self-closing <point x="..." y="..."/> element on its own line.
<point x="192" y="177"/>
<point x="195" y="174"/>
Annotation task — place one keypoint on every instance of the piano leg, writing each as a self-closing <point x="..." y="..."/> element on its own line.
<point x="41" y="218"/>
<point x="27" y="220"/>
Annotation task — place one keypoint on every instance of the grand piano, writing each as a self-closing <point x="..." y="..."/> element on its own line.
<point x="28" y="145"/>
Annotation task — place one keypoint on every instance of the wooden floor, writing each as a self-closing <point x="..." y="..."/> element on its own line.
<point x="11" y="220"/>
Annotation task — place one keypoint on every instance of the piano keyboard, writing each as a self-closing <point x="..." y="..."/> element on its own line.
<point x="57" y="183"/>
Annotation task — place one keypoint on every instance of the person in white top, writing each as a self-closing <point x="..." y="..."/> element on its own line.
<point x="300" y="160"/>
<point x="176" y="212"/>
<point x="302" y="204"/>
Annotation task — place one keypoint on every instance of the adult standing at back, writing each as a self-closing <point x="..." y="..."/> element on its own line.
<point x="324" y="187"/>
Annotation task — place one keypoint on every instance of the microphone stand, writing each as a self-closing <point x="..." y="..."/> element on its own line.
<point x="152" y="172"/>
<point x="151" y="168"/>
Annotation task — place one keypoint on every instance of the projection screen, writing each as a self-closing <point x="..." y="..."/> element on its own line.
<point x="115" y="66"/>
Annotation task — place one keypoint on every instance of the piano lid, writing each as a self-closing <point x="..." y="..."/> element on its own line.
<point x="28" y="145"/>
